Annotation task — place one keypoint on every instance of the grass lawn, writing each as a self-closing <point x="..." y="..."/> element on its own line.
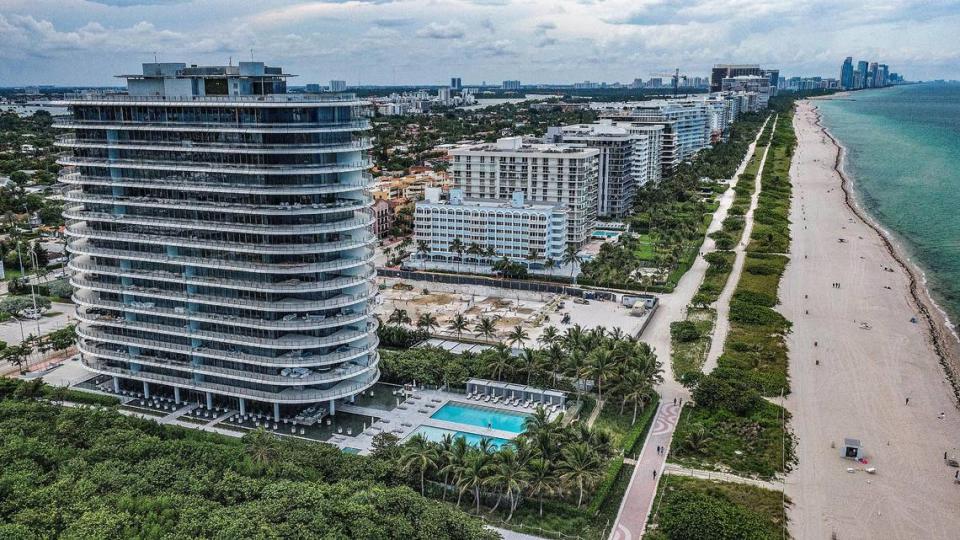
<point x="694" y="508"/>
<point x="719" y="440"/>
<point x="715" y="279"/>
<point x="688" y="356"/>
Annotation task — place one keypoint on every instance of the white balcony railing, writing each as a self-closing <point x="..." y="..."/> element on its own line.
<point x="83" y="247"/>
<point x="206" y="167"/>
<point x="341" y="372"/>
<point x="298" y="358"/>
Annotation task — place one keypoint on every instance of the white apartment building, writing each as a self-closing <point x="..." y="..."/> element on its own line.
<point x="520" y="231"/>
<point x="686" y="126"/>
<point x="544" y="173"/>
<point x="757" y="84"/>
<point x="627" y="160"/>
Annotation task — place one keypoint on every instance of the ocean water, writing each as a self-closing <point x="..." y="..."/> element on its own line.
<point x="903" y="147"/>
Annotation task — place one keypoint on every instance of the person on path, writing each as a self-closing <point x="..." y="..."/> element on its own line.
<point x="907" y="402"/>
<point x="654" y="474"/>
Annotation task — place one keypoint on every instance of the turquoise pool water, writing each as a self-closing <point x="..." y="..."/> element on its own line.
<point x="484" y="417"/>
<point x="605" y="234"/>
<point x="436" y="434"/>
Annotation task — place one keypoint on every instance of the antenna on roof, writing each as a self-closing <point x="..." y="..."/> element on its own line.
<point x="251" y="54"/>
<point x="230" y="61"/>
<point x="155" y="61"/>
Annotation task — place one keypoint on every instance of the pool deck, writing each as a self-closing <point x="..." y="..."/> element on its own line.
<point x="415" y="412"/>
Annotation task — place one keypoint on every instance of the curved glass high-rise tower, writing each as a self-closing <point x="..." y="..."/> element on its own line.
<point x="219" y="238"/>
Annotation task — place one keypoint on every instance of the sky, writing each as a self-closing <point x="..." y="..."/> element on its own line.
<point x="387" y="42"/>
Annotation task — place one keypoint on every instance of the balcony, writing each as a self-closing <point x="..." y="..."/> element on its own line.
<point x="196" y="242"/>
<point x="207" y="206"/>
<point x="82" y="247"/>
<point x="286" y="305"/>
<point x="361" y="220"/>
<point x="297" y="358"/>
<point x="291" y="285"/>
<point x="220" y="187"/>
<point x="344" y="371"/>
<point x="71" y="141"/>
<point x="205" y="167"/>
<point x="305" y="322"/>
<point x="290" y="341"/>
<point x="221" y="127"/>
<point x="292" y="395"/>
<point x="268" y="100"/>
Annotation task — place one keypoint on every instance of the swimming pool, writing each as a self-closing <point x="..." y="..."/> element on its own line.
<point x="484" y="417"/>
<point x="605" y="234"/>
<point x="436" y="434"/>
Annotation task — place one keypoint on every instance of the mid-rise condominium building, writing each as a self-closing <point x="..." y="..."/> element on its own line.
<point x="219" y="239"/>
<point x="528" y="233"/>
<point x="628" y="159"/>
<point x="724" y="71"/>
<point x="685" y="124"/>
<point x="544" y="173"/>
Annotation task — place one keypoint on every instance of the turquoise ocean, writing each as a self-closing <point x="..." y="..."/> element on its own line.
<point x="903" y="153"/>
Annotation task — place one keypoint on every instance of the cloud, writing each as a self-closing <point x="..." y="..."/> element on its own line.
<point x="547" y="41"/>
<point x="543" y="27"/>
<point x="434" y="30"/>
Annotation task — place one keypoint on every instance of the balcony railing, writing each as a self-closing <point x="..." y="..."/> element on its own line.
<point x="221" y="187"/>
<point x="81" y="231"/>
<point x="291" y="285"/>
<point x="342" y="390"/>
<point x="229" y="168"/>
<point x="83" y="247"/>
<point x="72" y="141"/>
<point x="286" y="305"/>
<point x="226" y="127"/>
<point x="289" y="359"/>
<point x="338" y="99"/>
<point x="360" y="221"/>
<point x="291" y="341"/>
<point x="305" y="322"/>
<point x="344" y="371"/>
<point x="208" y="206"/>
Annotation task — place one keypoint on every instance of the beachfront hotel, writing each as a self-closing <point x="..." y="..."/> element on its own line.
<point x="629" y="158"/>
<point x="519" y="231"/>
<point x="685" y="124"/>
<point x="544" y="173"/>
<point x="219" y="239"/>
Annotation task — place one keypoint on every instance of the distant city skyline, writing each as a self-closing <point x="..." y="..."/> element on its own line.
<point x="404" y="42"/>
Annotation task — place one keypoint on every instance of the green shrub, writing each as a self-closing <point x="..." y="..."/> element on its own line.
<point x="603" y="491"/>
<point x="684" y="331"/>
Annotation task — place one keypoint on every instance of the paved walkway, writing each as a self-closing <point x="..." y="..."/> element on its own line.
<point x="722" y="326"/>
<point x="677" y="470"/>
<point x="635" y="507"/>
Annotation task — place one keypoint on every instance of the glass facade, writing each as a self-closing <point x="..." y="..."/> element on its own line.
<point x="222" y="245"/>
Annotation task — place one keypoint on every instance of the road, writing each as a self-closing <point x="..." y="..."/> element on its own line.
<point x="10" y="330"/>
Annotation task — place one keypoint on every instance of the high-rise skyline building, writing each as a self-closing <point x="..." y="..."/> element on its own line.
<point x="219" y="238"/>
<point x="338" y="86"/>
<point x="726" y="71"/>
<point x="456" y="83"/>
<point x="862" y="68"/>
<point x="846" y="73"/>
<point x="511" y="85"/>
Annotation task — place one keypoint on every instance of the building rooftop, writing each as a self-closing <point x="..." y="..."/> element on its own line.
<point x="517" y="145"/>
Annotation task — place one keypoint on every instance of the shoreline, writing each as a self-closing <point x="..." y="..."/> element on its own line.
<point x="940" y="330"/>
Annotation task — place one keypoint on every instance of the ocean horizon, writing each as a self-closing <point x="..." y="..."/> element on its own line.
<point x="903" y="156"/>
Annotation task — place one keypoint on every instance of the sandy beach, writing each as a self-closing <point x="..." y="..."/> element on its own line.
<point x="872" y="358"/>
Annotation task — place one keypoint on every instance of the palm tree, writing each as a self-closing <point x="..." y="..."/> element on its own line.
<point x="499" y="362"/>
<point x="474" y="475"/>
<point x="600" y="365"/>
<point x="532" y="256"/>
<point x="510" y="475"/>
<point x="419" y="456"/>
<point x="518" y="336"/>
<point x="486" y="328"/>
<point x="459" y="324"/>
<point x="579" y="468"/>
<point x="428" y="322"/>
<point x="456" y="246"/>
<point x="549" y="336"/>
<point x="634" y="388"/>
<point x="453" y="463"/>
<point x="529" y="359"/>
<point x="423" y="248"/>
<point x="399" y="316"/>
<point x="476" y="250"/>
<point x="556" y="357"/>
<point x="540" y="480"/>
<point x="572" y="257"/>
<point x="260" y="446"/>
<point x="549" y="264"/>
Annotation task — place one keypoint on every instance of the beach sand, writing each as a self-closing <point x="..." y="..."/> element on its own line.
<point x="872" y="358"/>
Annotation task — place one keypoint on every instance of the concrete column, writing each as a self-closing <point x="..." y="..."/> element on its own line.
<point x="333" y="407"/>
<point x="116" y="385"/>
<point x="276" y="412"/>
<point x="243" y="406"/>
<point x="209" y="400"/>
<point x="146" y="389"/>
<point x="353" y="398"/>
<point x="176" y="395"/>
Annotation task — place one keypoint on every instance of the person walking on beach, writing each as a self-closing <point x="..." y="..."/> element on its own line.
<point x="907" y="402"/>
